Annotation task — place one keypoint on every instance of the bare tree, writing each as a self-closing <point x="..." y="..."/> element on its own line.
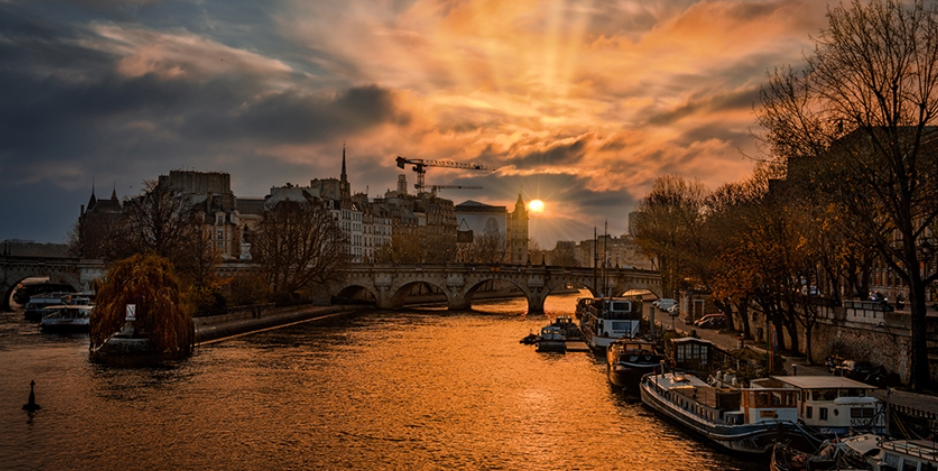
<point x="564" y="255"/>
<point x="298" y="244"/>
<point x="866" y="104"/>
<point x="668" y="227"/>
<point x="491" y="247"/>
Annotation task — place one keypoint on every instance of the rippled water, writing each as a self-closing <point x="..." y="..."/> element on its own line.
<point x="417" y="389"/>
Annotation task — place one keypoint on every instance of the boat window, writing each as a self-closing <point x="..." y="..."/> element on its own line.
<point x="823" y="412"/>
<point x="622" y="327"/>
<point x="909" y="465"/>
<point x="853" y="392"/>
<point x="809" y="412"/>
<point x="824" y="394"/>
<point x="862" y="412"/>
<point x="622" y="306"/>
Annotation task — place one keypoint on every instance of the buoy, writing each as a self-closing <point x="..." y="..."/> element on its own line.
<point x="31" y="406"/>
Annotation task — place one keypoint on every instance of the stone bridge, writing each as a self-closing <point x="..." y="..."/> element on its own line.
<point x="389" y="285"/>
<point x="75" y="272"/>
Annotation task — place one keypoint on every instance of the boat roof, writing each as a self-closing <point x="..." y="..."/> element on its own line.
<point x="863" y="444"/>
<point x="822" y="382"/>
<point x="671" y="380"/>
<point x="691" y="339"/>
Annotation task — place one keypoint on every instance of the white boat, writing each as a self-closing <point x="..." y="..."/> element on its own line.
<point x="867" y="452"/>
<point x="832" y="406"/>
<point x="552" y="339"/>
<point x="627" y="360"/>
<point x="66" y="318"/>
<point x="883" y="454"/>
<point x="606" y="319"/>
<point x="740" y="420"/>
<point x="32" y="311"/>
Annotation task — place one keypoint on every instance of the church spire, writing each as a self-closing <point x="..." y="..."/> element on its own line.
<point x="343" y="177"/>
<point x="94" y="199"/>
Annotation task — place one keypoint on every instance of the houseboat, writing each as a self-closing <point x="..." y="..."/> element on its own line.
<point x="866" y="451"/>
<point x="832" y="406"/>
<point x="606" y="319"/>
<point x="32" y="311"/>
<point x="627" y="360"/>
<point x="66" y="318"/>
<point x="741" y="420"/>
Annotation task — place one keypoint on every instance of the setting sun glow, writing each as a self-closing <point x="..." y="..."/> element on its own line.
<point x="536" y="206"/>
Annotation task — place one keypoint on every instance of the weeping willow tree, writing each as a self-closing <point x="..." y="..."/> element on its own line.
<point x="149" y="283"/>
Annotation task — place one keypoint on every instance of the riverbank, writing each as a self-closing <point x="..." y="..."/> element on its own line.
<point x="210" y="329"/>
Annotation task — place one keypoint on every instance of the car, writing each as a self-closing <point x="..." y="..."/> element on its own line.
<point x="711" y="321"/>
<point x="856" y="370"/>
<point x="664" y="304"/>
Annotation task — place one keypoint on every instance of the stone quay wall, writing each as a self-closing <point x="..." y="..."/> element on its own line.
<point x="865" y="330"/>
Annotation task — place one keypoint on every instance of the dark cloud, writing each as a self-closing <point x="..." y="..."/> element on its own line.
<point x="737" y="100"/>
<point x="561" y="154"/>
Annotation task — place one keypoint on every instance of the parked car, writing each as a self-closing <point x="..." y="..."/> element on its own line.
<point x="711" y="321"/>
<point x="665" y="304"/>
<point x="857" y="370"/>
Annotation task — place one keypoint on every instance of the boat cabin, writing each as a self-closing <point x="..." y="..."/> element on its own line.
<point x="730" y="406"/>
<point x="831" y="404"/>
<point x="691" y="353"/>
<point x="902" y="455"/>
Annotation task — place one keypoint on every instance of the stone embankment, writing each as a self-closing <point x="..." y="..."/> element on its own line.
<point x="214" y="328"/>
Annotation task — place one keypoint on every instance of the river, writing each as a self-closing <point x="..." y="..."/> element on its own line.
<point x="414" y="389"/>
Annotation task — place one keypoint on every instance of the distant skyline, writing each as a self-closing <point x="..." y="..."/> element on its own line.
<point x="583" y="104"/>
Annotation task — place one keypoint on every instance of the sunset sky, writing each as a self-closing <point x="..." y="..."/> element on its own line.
<point x="581" y="104"/>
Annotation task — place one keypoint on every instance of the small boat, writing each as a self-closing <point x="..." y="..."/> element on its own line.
<point x="829" y="457"/>
<point x="66" y="318"/>
<point x="608" y="319"/>
<point x="740" y="420"/>
<point x="569" y="328"/>
<point x="529" y="339"/>
<point x="627" y="360"/>
<point x="552" y="339"/>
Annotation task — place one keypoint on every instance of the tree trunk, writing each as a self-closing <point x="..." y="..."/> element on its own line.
<point x="920" y="374"/>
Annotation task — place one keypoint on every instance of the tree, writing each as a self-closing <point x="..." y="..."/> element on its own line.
<point x="161" y="221"/>
<point x="491" y="247"/>
<point x="149" y="283"/>
<point x="668" y="228"/>
<point x="863" y="111"/>
<point x="299" y="243"/>
<point x="564" y="255"/>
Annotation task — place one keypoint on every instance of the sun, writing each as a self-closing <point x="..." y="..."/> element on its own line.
<point x="536" y="206"/>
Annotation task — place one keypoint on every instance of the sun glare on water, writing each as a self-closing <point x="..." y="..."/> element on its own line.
<point x="536" y="206"/>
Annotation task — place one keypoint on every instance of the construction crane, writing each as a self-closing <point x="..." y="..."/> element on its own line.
<point x="420" y="166"/>
<point x="436" y="188"/>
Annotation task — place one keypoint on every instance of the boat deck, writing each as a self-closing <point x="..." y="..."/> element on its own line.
<point x="577" y="346"/>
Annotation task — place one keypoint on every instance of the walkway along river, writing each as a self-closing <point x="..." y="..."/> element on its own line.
<point x="412" y="389"/>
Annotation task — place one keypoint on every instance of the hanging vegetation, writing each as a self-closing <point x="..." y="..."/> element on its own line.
<point x="149" y="283"/>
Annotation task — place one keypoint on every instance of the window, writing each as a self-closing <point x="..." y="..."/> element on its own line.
<point x="809" y="412"/>
<point x="219" y="219"/>
<point x="823" y="412"/>
<point x="220" y="234"/>
<point x="862" y="413"/>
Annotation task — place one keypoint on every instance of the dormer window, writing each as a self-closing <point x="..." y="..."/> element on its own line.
<point x="219" y="219"/>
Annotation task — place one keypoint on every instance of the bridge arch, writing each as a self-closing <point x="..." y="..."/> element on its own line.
<point x="473" y="288"/>
<point x="402" y="290"/>
<point x="355" y="294"/>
